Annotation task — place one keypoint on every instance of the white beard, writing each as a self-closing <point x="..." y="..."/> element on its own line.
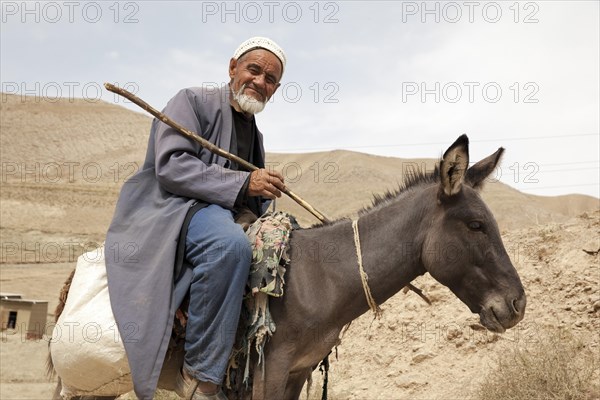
<point x="248" y="103"/>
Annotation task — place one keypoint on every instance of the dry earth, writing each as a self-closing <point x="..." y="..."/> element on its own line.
<point x="64" y="162"/>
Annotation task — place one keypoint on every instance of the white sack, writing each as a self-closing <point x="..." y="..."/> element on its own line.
<point x="87" y="350"/>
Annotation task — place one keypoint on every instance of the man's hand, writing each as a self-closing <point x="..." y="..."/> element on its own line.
<point x="266" y="183"/>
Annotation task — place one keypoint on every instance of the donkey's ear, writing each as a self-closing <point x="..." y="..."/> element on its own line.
<point x="453" y="167"/>
<point x="477" y="173"/>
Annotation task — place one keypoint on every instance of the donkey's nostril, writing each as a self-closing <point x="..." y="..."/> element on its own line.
<point x="518" y="304"/>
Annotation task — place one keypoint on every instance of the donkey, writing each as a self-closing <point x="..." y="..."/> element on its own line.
<point x="401" y="236"/>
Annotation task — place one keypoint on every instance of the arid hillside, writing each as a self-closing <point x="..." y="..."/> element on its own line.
<point x="63" y="163"/>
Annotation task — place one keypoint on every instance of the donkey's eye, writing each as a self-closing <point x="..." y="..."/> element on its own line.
<point x="475" y="225"/>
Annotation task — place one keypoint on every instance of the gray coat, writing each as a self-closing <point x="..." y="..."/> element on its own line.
<point x="142" y="239"/>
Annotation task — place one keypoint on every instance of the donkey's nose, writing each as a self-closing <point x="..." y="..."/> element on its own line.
<point x="518" y="305"/>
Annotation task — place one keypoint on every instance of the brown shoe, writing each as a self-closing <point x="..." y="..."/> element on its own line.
<point x="187" y="387"/>
<point x="198" y="395"/>
<point x="182" y="385"/>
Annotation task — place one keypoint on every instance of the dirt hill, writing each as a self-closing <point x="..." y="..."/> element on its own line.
<point x="64" y="162"/>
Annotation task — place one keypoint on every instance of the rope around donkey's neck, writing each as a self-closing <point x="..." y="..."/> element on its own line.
<point x="363" y="275"/>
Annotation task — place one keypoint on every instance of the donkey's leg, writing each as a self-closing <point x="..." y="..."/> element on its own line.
<point x="271" y="384"/>
<point x="295" y="383"/>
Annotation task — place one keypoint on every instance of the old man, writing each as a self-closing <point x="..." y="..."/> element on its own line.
<point x="182" y="204"/>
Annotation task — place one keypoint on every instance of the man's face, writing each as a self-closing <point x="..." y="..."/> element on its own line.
<point x="258" y="72"/>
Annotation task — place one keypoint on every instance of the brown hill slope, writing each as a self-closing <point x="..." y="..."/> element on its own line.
<point x="341" y="182"/>
<point x="63" y="163"/>
<point x="69" y="130"/>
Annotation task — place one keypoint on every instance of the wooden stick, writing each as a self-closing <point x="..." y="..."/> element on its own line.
<point x="418" y="291"/>
<point x="206" y="144"/>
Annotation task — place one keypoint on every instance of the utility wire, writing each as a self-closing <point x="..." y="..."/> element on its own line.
<point x="440" y="143"/>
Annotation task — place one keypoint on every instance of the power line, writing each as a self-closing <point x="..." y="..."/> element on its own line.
<point x="565" y="170"/>
<point x="538" y="137"/>
<point x="441" y="143"/>
<point x="570" y="163"/>
<point x="559" y="187"/>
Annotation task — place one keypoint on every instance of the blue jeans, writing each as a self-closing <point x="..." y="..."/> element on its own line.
<point x="220" y="254"/>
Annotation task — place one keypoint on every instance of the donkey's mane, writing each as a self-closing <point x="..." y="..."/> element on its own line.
<point x="411" y="181"/>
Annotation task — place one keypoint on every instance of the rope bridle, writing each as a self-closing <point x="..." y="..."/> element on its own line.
<point x="363" y="275"/>
<point x="365" y="278"/>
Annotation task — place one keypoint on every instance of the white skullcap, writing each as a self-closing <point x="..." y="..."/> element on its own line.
<point x="261" y="43"/>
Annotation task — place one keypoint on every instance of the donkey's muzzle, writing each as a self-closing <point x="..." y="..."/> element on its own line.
<point x="500" y="314"/>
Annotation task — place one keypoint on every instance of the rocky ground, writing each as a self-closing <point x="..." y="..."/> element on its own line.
<point x="415" y="351"/>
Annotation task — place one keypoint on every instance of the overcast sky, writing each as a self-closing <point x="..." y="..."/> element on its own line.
<point x="393" y="78"/>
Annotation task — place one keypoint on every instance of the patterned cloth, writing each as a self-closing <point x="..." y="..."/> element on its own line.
<point x="269" y="237"/>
